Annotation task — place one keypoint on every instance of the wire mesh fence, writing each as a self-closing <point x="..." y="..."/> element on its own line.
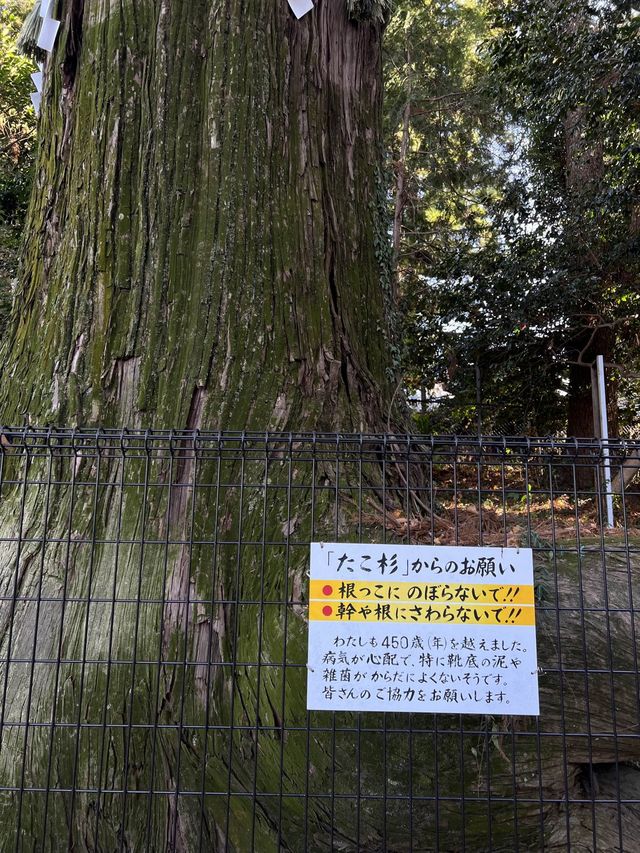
<point x="153" y="645"/>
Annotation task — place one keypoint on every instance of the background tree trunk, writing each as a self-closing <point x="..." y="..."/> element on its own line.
<point x="588" y="344"/>
<point x="584" y="167"/>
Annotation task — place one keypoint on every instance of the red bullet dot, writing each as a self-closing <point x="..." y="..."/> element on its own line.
<point x="327" y="590"/>
<point x="327" y="611"/>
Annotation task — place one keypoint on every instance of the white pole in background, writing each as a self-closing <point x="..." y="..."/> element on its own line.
<point x="604" y="435"/>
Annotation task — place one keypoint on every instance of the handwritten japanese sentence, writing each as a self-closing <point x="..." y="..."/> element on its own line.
<point x="422" y="629"/>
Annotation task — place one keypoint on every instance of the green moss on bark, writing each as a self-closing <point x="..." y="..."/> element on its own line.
<point x="203" y="219"/>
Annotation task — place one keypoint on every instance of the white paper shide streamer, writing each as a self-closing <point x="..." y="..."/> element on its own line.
<point x="301" y="7"/>
<point x="46" y="41"/>
<point x="48" y="33"/>
<point x="37" y="82"/>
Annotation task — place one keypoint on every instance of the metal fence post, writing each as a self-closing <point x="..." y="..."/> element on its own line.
<point x="604" y="436"/>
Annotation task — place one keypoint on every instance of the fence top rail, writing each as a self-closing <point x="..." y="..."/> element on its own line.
<point x="71" y="441"/>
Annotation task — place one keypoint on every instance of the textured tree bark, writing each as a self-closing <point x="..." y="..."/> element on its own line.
<point x="207" y="249"/>
<point x="206" y="221"/>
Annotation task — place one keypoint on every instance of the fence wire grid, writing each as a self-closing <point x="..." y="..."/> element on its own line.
<point x="153" y="645"/>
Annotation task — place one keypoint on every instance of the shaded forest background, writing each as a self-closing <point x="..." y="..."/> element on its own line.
<point x="513" y="175"/>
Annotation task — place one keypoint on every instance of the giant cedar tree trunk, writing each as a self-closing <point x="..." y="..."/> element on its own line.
<point x="202" y="239"/>
<point x="205" y="251"/>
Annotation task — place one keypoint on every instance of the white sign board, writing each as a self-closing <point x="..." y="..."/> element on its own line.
<point x="422" y="629"/>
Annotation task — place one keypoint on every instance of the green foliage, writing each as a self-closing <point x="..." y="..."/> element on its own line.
<point x="567" y="72"/>
<point x="518" y="242"/>
<point x="17" y="143"/>
<point x="436" y="71"/>
<point x="17" y="120"/>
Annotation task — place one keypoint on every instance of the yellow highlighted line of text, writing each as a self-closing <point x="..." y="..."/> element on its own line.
<point x="425" y="613"/>
<point x="420" y="593"/>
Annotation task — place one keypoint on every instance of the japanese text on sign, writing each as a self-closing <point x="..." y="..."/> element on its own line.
<point x="422" y="629"/>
